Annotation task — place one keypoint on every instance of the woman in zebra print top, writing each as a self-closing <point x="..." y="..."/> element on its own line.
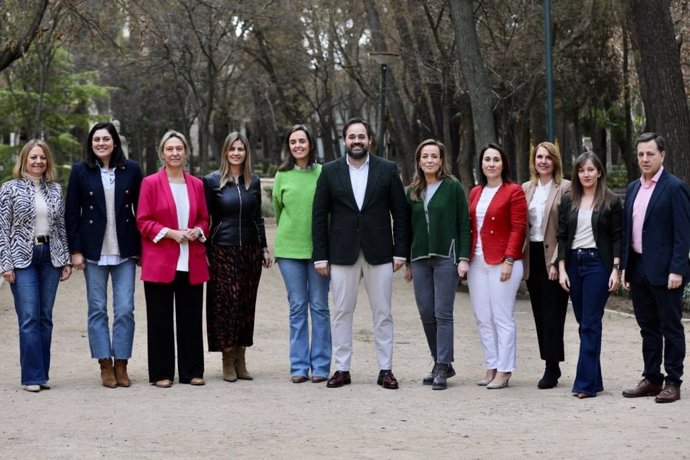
<point x="33" y="255"/>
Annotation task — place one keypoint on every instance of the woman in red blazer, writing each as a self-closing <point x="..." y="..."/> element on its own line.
<point x="173" y="220"/>
<point x="498" y="217"/>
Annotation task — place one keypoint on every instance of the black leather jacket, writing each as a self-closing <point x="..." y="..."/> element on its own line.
<point x="235" y="212"/>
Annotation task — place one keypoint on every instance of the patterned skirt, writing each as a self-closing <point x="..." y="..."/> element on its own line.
<point x="231" y="295"/>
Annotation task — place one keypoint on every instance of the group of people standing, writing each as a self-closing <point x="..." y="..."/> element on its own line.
<point x="112" y="220"/>
<point x="347" y="220"/>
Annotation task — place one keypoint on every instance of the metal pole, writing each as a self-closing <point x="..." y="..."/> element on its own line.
<point x="382" y="126"/>
<point x="549" y="69"/>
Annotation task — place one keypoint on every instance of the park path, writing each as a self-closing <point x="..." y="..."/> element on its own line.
<point x="271" y="417"/>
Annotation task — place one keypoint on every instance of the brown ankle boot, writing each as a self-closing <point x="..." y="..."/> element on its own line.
<point x="121" y="373"/>
<point x="241" y="365"/>
<point x="229" y="357"/>
<point x="107" y="373"/>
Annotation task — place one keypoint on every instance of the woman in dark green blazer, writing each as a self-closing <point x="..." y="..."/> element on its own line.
<point x="439" y="253"/>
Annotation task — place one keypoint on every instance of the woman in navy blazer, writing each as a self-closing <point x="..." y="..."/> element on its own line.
<point x="102" y="194"/>
<point x="173" y="220"/>
<point x="498" y="219"/>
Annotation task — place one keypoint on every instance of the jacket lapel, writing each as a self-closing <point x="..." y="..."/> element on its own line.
<point x="343" y="175"/>
<point x="658" y="192"/>
<point x="164" y="187"/>
<point x="372" y="178"/>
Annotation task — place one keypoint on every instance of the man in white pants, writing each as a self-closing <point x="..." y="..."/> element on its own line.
<point x="356" y="196"/>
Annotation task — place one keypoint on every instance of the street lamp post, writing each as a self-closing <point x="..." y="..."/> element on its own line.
<point x="383" y="58"/>
<point x="549" y="69"/>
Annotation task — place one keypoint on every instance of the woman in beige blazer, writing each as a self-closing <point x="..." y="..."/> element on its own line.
<point x="549" y="302"/>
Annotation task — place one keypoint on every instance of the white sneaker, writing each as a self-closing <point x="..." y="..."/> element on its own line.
<point x="33" y="388"/>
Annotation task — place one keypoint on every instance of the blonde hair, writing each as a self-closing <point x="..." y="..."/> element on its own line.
<point x="225" y="174"/>
<point x="170" y="134"/>
<point x="19" y="170"/>
<point x="555" y="155"/>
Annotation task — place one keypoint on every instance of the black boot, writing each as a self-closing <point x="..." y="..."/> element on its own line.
<point x="441" y="377"/>
<point x="552" y="373"/>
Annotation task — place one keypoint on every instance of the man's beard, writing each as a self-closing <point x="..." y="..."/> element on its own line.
<point x="359" y="155"/>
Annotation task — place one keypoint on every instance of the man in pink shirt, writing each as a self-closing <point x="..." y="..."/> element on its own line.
<point x="656" y="243"/>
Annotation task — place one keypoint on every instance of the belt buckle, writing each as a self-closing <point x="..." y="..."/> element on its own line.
<point x="40" y="239"/>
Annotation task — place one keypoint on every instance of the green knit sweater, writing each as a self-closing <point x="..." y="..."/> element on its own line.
<point x="448" y="231"/>
<point x="293" y="196"/>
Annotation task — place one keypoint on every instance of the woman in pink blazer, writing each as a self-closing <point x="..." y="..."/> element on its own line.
<point x="498" y="218"/>
<point x="173" y="220"/>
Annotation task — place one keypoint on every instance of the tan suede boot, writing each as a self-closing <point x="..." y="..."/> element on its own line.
<point x="241" y="365"/>
<point x="107" y="373"/>
<point x="229" y="357"/>
<point x="121" y="373"/>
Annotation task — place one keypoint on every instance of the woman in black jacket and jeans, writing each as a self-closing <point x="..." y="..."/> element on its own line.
<point x="237" y="250"/>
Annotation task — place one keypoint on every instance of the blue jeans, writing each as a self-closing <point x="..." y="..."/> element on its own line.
<point x="123" y="276"/>
<point x="435" y="280"/>
<point x="34" y="295"/>
<point x="307" y="292"/>
<point x="589" y="291"/>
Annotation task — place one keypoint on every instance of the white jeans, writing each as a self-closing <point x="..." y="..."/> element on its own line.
<point x="493" y="303"/>
<point x="378" y="280"/>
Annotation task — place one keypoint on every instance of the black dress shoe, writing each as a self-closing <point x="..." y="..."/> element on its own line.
<point x="644" y="388"/>
<point x="339" y="379"/>
<point x="387" y="380"/>
<point x="429" y="379"/>
<point x="551" y="375"/>
<point x="441" y="377"/>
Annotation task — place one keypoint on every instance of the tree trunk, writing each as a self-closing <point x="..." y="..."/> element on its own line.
<point x="661" y="77"/>
<point x="474" y="71"/>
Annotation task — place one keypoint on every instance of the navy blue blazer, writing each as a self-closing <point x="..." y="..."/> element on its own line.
<point x="85" y="214"/>
<point x="665" y="232"/>
<point x="340" y="229"/>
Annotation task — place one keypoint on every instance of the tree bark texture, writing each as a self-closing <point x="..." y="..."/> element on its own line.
<point x="659" y="68"/>
<point x="474" y="71"/>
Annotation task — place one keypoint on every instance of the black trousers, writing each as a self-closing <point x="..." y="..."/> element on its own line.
<point x="188" y="302"/>
<point x="658" y="311"/>
<point x="549" y="305"/>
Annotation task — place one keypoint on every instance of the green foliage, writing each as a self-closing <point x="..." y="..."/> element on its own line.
<point x="8" y="155"/>
<point x="617" y="176"/>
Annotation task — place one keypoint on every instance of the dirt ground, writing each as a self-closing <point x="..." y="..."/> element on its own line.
<point x="271" y="417"/>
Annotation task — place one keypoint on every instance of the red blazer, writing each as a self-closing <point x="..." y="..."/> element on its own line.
<point x="503" y="232"/>
<point x="157" y="210"/>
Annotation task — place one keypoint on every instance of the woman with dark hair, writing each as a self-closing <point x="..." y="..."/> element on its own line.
<point x="33" y="255"/>
<point x="293" y="196"/>
<point x="237" y="250"/>
<point x="439" y="253"/>
<point x="589" y="248"/>
<point x="549" y="302"/>
<point x="173" y="221"/>
<point x="498" y="216"/>
<point x="102" y="194"/>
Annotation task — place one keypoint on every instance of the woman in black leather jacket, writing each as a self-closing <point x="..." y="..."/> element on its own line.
<point x="237" y="250"/>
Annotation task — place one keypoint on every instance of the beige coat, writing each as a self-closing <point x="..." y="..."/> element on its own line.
<point x="549" y="222"/>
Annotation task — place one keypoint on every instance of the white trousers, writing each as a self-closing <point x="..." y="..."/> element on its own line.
<point x="378" y="280"/>
<point x="493" y="303"/>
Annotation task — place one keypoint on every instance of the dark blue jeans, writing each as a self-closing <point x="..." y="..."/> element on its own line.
<point x="589" y="291"/>
<point x="34" y="291"/>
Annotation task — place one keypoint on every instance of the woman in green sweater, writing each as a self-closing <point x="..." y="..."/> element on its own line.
<point x="439" y="254"/>
<point x="293" y="195"/>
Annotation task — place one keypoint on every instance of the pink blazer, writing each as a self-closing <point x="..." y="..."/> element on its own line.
<point x="157" y="210"/>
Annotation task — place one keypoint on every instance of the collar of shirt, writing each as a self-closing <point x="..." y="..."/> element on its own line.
<point x="654" y="180"/>
<point x="347" y="159"/>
